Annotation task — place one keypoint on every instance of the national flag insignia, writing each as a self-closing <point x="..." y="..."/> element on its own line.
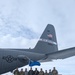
<point x="50" y="35"/>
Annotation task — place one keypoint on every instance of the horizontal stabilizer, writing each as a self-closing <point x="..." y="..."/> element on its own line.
<point x="62" y="54"/>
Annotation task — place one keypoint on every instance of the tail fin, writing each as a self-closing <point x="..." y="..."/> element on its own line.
<point x="47" y="42"/>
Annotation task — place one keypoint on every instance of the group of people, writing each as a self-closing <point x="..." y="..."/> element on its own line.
<point x="35" y="72"/>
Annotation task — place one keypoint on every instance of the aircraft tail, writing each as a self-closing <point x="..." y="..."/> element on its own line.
<point x="47" y="42"/>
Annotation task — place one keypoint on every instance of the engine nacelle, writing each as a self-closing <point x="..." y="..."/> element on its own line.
<point x="23" y="58"/>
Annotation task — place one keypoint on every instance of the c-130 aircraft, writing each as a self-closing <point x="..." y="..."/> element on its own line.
<point x="45" y="50"/>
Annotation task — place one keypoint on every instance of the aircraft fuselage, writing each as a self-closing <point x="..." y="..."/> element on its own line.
<point x="11" y="59"/>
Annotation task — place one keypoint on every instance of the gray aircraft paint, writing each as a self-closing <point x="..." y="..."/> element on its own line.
<point x="9" y="63"/>
<point x="45" y="50"/>
<point x="48" y="44"/>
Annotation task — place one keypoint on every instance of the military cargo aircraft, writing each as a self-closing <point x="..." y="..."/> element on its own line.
<point x="45" y="50"/>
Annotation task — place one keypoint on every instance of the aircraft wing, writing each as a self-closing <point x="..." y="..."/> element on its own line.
<point x="62" y="54"/>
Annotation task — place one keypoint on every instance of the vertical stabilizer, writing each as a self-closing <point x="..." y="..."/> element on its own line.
<point x="47" y="42"/>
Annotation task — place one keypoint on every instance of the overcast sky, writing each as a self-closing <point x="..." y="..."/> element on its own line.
<point x="23" y="21"/>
